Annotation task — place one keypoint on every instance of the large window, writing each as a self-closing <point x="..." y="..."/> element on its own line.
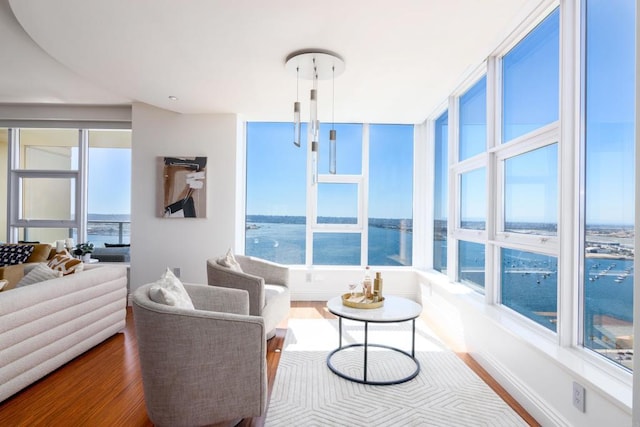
<point x="609" y="178"/>
<point x="294" y="220"/>
<point x="49" y="190"/>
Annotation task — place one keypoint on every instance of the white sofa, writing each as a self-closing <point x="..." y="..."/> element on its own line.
<point x="47" y="324"/>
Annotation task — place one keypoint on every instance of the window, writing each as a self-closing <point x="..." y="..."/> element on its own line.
<point x="473" y="199"/>
<point x="471" y="264"/>
<point x="276" y="193"/>
<point x="530" y="95"/>
<point x="530" y="285"/>
<point x="292" y="220"/>
<point x="473" y="121"/>
<point x="109" y="188"/>
<point x="390" y="195"/>
<point x="48" y="190"/>
<point x="609" y="191"/>
<point x="441" y="193"/>
<point x="4" y="153"/>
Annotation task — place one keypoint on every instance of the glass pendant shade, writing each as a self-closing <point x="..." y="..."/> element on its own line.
<point x="332" y="151"/>
<point x="296" y="123"/>
<point x="314" y="162"/>
<point x="313" y="115"/>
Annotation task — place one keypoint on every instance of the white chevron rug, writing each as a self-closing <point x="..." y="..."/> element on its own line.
<point x="445" y="393"/>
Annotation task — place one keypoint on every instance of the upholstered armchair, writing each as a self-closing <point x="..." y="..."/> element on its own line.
<point x="267" y="283"/>
<point x="201" y="366"/>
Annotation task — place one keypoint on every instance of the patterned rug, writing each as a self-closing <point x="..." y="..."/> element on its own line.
<point x="445" y="393"/>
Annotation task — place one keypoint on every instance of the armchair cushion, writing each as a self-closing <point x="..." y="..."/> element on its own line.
<point x="229" y="261"/>
<point x="168" y="290"/>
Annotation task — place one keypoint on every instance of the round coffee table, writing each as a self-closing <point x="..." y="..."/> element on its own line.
<point x="394" y="310"/>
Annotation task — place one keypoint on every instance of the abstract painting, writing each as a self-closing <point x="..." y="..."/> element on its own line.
<point x="183" y="187"/>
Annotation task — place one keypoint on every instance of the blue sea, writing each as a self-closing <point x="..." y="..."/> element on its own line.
<point x="529" y="280"/>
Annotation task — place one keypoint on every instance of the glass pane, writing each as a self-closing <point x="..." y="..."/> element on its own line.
<point x="49" y="149"/>
<point x="337" y="203"/>
<point x="336" y="248"/>
<point x="531" y="192"/>
<point x="473" y="120"/>
<point x="4" y="153"/>
<point x="529" y="285"/>
<point x="348" y="148"/>
<point x="276" y="193"/>
<point x="530" y="80"/>
<point x="109" y="192"/>
<point x="609" y="179"/>
<point x="390" y="194"/>
<point x="471" y="263"/>
<point x="46" y="235"/>
<point x="441" y="192"/>
<point x="473" y="199"/>
<point x="47" y="198"/>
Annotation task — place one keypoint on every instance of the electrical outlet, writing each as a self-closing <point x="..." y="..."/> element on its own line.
<point x="579" y="396"/>
<point x="176" y="271"/>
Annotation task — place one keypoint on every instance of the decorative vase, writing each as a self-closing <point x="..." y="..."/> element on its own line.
<point x="86" y="258"/>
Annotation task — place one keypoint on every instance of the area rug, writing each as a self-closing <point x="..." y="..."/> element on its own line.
<point x="445" y="393"/>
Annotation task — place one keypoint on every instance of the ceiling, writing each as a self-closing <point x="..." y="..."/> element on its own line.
<point x="402" y="57"/>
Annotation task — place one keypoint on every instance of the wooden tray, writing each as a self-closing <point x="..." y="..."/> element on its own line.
<point x="357" y="301"/>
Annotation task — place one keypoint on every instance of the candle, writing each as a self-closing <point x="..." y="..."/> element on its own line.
<point x="59" y="245"/>
<point x="69" y="243"/>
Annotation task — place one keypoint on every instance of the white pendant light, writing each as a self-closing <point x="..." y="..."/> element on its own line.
<point x="315" y="65"/>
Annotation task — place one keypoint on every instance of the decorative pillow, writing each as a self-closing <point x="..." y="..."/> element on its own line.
<point x="169" y="290"/>
<point x="229" y="261"/>
<point x="39" y="273"/>
<point x="11" y="254"/>
<point x="65" y="263"/>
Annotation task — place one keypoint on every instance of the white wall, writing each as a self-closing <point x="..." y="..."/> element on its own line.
<point x="158" y="243"/>
<point x="535" y="371"/>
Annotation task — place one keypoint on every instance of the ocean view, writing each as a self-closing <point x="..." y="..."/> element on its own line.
<point x="108" y="228"/>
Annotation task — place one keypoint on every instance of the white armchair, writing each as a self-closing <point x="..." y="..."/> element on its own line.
<point x="267" y="283"/>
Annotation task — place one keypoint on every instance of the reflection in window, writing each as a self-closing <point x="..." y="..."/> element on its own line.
<point x="390" y="194"/>
<point x="609" y="179"/>
<point x="276" y="194"/>
<point x="530" y="78"/>
<point x="530" y="285"/>
<point x="473" y="200"/>
<point x="47" y="199"/>
<point x="441" y="192"/>
<point x="473" y="120"/>
<point x="49" y="149"/>
<point x="336" y="248"/>
<point x="531" y="192"/>
<point x="471" y="262"/>
<point x="337" y="203"/>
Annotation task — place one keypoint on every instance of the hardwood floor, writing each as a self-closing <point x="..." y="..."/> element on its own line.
<point x="103" y="386"/>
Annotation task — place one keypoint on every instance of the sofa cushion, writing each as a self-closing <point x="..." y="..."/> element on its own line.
<point x="41" y="253"/>
<point x="39" y="273"/>
<point x="65" y="263"/>
<point x="229" y="261"/>
<point x="169" y="290"/>
<point x="12" y="254"/>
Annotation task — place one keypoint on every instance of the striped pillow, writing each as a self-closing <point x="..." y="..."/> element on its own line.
<point x="39" y="273"/>
<point x="65" y="263"/>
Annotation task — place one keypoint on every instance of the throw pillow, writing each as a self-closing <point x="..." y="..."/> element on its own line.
<point x="12" y="254"/>
<point x="229" y="261"/>
<point x="39" y="273"/>
<point x="65" y="263"/>
<point x="169" y="290"/>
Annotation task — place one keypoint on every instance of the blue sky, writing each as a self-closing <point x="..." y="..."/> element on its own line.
<point x="109" y="181"/>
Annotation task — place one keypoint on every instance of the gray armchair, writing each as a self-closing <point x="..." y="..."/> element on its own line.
<point x="201" y="366"/>
<point x="267" y="283"/>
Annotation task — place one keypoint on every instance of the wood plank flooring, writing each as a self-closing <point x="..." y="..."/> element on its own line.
<point x="103" y="386"/>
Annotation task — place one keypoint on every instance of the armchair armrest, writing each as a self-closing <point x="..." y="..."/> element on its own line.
<point x="273" y="273"/>
<point x="213" y="298"/>
<point x="218" y="275"/>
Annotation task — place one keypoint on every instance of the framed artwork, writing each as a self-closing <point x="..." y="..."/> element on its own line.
<point x="183" y="187"/>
